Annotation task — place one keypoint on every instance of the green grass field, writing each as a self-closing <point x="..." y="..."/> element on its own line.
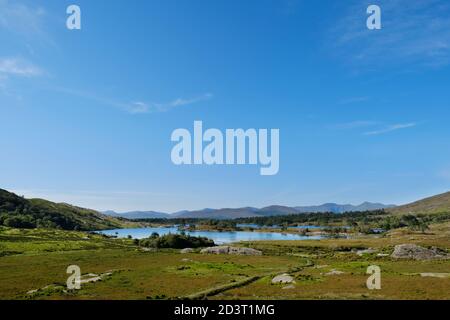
<point x="35" y="259"/>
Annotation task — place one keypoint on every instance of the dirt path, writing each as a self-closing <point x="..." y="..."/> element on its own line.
<point x="216" y="290"/>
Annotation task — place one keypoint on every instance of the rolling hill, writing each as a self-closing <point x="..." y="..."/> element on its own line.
<point x="19" y="212"/>
<point x="248" y="212"/>
<point x="436" y="204"/>
<point x="341" y="208"/>
<point x="138" y="214"/>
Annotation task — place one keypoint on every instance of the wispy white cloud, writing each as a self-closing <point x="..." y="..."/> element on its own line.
<point x="182" y="102"/>
<point x="381" y="128"/>
<point x="136" y="107"/>
<point x="356" y="124"/>
<point x="20" y="18"/>
<point x="140" y="107"/>
<point x="11" y="68"/>
<point x="413" y="31"/>
<point x="391" y="128"/>
<point x="18" y="67"/>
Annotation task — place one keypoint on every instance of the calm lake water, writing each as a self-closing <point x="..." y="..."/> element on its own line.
<point x="218" y="237"/>
<point x="257" y="226"/>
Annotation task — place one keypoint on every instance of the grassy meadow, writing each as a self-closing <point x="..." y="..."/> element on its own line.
<point x="322" y="269"/>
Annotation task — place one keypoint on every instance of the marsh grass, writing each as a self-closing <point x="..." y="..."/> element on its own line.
<point x="33" y="259"/>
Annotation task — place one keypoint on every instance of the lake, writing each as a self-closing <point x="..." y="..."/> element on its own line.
<point x="257" y="226"/>
<point x="218" y="237"/>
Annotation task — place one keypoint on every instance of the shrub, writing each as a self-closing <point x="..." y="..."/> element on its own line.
<point x="176" y="241"/>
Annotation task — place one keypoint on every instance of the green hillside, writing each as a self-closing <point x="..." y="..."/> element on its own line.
<point x="432" y="205"/>
<point x="19" y="212"/>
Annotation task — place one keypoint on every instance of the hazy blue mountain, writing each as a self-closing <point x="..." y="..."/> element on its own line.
<point x="246" y="212"/>
<point x="275" y="210"/>
<point x="138" y="214"/>
<point x="226" y="213"/>
<point x="179" y="213"/>
<point x="341" y="208"/>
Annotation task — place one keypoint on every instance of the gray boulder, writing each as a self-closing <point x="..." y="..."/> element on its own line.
<point x="231" y="250"/>
<point x="283" y="279"/>
<point x="215" y="250"/>
<point x="366" y="251"/>
<point x="187" y="250"/>
<point x="334" y="272"/>
<point x="412" y="251"/>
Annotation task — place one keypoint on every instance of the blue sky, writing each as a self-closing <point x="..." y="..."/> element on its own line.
<point x="87" y="115"/>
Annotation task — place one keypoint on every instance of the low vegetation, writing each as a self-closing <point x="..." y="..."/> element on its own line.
<point x="34" y="257"/>
<point x="322" y="269"/>
<point x="18" y="212"/>
<point x="175" y="241"/>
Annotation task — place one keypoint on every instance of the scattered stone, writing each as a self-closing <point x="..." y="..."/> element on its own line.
<point x="231" y="250"/>
<point x="186" y="260"/>
<point x="366" y="251"/>
<point x="334" y="272"/>
<point x="86" y="278"/>
<point x="283" y="278"/>
<point x="187" y="250"/>
<point x="244" y="251"/>
<point x="383" y="255"/>
<point x="412" y="251"/>
<point x="216" y="250"/>
<point x="435" y="275"/>
<point x="291" y="286"/>
<point x="91" y="277"/>
<point x="53" y="288"/>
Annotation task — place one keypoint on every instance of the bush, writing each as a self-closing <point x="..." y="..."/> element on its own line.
<point x="19" y="221"/>
<point x="176" y="241"/>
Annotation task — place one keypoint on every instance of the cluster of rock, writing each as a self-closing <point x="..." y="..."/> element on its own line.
<point x="84" y="279"/>
<point x="366" y="251"/>
<point x="435" y="274"/>
<point x="231" y="250"/>
<point x="283" y="279"/>
<point x="412" y="251"/>
<point x="334" y="272"/>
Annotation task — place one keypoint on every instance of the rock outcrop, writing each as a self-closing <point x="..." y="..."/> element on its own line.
<point x="334" y="272"/>
<point x="366" y="251"/>
<point x="412" y="251"/>
<point x="435" y="275"/>
<point x="283" y="279"/>
<point x="231" y="250"/>
<point x="187" y="250"/>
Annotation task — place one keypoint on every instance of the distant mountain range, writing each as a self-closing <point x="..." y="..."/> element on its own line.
<point x="246" y="212"/>
<point x="18" y="212"/>
<point x="138" y="214"/>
